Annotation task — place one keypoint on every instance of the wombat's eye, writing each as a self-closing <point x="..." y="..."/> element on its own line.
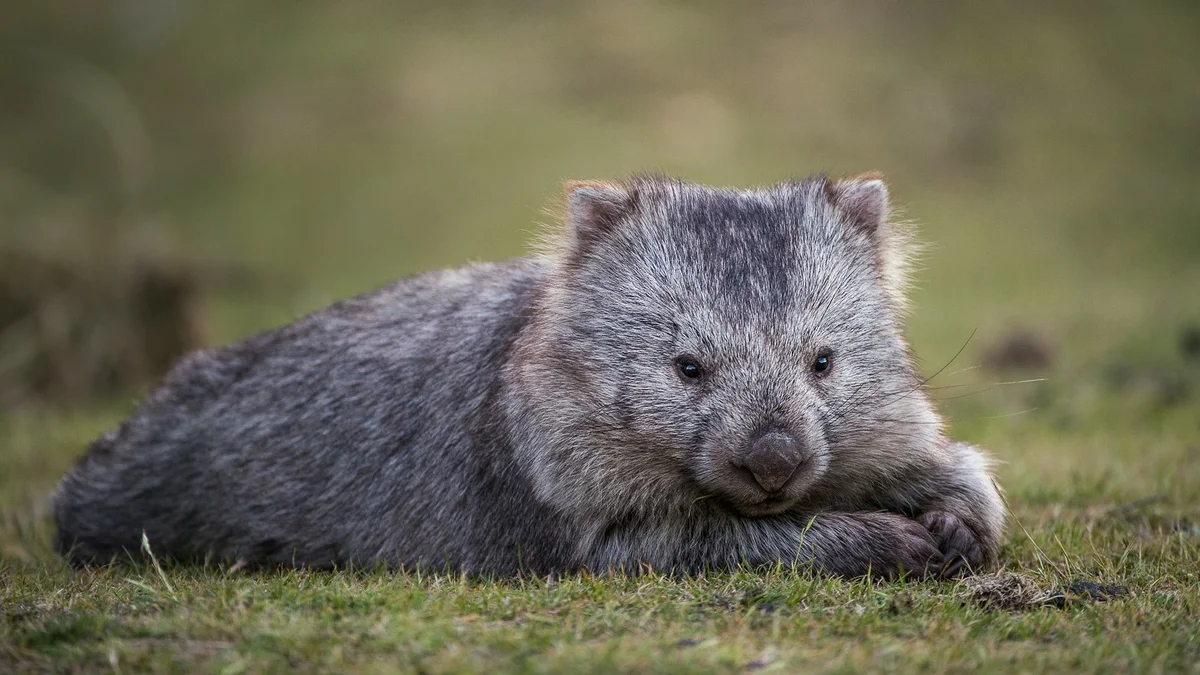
<point x="688" y="368"/>
<point x="822" y="363"/>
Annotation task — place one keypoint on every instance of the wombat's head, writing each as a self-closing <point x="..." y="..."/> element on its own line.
<point x="738" y="347"/>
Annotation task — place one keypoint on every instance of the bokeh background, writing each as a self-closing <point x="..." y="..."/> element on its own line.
<point x="178" y="173"/>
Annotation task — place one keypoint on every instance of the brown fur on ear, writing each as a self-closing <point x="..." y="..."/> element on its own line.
<point x="595" y="208"/>
<point x="863" y="200"/>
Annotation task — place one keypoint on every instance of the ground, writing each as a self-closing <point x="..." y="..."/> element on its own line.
<point x="1100" y="574"/>
<point x="1047" y="153"/>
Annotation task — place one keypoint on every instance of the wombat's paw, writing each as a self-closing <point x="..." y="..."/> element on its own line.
<point x="887" y="546"/>
<point x="910" y="550"/>
<point x="963" y="554"/>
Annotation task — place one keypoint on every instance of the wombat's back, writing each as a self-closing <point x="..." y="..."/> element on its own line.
<point x="344" y="437"/>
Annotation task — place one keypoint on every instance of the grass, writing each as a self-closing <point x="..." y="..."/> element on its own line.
<point x="1110" y="499"/>
<point x="138" y="618"/>
<point x="1046" y="151"/>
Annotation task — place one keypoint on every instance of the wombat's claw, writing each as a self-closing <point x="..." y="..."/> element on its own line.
<point x="954" y="565"/>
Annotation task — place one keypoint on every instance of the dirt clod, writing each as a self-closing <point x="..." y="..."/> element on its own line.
<point x="1022" y="348"/>
<point x="1011" y="591"/>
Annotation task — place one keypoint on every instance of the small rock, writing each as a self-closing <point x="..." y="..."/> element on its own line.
<point x="1090" y="590"/>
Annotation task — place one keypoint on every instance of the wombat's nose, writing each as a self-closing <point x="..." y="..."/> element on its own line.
<point x="772" y="459"/>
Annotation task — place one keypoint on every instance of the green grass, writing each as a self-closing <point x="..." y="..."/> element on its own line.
<point x="1100" y="499"/>
<point x="1048" y="153"/>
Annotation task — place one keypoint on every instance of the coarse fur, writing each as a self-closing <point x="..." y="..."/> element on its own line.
<point x="687" y="378"/>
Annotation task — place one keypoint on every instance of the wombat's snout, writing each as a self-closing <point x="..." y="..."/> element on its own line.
<point x="772" y="459"/>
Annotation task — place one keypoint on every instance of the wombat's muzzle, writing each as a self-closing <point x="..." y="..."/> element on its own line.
<point x="773" y="459"/>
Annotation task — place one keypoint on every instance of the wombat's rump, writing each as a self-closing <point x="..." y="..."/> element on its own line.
<point x="687" y="378"/>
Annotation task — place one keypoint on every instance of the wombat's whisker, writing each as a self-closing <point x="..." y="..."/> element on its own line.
<point x="949" y="386"/>
<point x="994" y="385"/>
<point x="952" y="359"/>
<point x="982" y="388"/>
<point x="887" y="420"/>
<point x="949" y="419"/>
<point x="993" y="417"/>
<point x="939" y="371"/>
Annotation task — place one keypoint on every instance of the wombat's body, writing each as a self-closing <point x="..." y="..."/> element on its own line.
<point x="690" y="378"/>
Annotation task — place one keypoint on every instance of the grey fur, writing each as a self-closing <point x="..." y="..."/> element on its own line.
<point x="531" y="414"/>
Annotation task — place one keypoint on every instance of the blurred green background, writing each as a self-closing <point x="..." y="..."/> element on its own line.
<point x="255" y="161"/>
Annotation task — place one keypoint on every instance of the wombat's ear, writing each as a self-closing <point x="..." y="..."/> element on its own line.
<point x="596" y="208"/>
<point x="863" y="202"/>
<point x="863" y="199"/>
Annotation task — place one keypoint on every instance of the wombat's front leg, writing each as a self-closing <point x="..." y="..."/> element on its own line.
<point x="877" y="544"/>
<point x="944" y="516"/>
<point x="955" y="498"/>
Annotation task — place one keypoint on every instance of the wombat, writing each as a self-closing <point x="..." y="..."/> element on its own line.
<point x="687" y="378"/>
